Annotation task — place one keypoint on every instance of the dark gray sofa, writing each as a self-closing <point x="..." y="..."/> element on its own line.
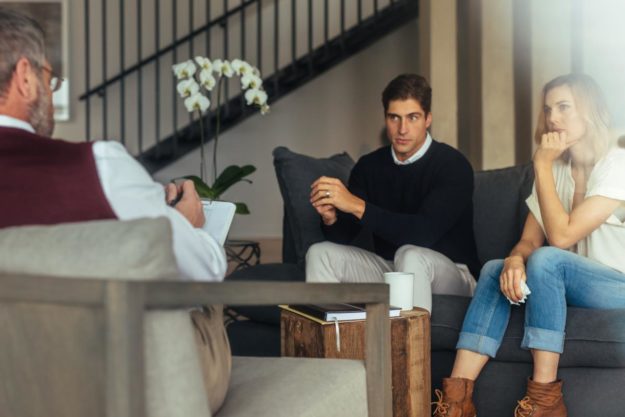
<point x="594" y="357"/>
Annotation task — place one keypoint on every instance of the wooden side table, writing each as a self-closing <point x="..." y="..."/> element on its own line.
<point x="410" y="351"/>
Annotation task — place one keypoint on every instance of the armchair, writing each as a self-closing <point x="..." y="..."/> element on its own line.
<point x="81" y="346"/>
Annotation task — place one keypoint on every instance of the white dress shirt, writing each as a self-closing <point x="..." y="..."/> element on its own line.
<point x="133" y="194"/>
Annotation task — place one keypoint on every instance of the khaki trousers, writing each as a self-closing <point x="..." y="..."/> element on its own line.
<point x="434" y="273"/>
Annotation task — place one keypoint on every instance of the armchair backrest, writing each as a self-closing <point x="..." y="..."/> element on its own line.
<point x="49" y="346"/>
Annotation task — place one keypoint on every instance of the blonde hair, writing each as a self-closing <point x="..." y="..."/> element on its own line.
<point x="591" y="105"/>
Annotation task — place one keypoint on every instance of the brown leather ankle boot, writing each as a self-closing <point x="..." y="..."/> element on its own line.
<point x="542" y="400"/>
<point x="456" y="399"/>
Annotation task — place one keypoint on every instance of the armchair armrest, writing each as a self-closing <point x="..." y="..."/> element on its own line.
<point x="124" y="302"/>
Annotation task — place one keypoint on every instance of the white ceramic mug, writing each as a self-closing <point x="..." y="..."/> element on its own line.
<point x="401" y="289"/>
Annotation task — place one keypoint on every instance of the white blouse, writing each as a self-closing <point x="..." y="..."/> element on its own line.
<point x="606" y="244"/>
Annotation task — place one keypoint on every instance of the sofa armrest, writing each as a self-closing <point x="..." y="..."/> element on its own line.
<point x="124" y="302"/>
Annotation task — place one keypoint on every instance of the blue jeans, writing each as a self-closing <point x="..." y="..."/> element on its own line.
<point x="556" y="278"/>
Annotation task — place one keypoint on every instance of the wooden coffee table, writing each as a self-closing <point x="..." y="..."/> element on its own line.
<point x="410" y="351"/>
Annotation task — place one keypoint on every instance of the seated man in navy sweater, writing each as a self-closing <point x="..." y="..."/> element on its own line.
<point x="46" y="181"/>
<point x="414" y="197"/>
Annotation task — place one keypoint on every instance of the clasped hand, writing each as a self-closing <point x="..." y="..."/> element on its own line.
<point x="552" y="145"/>
<point x="328" y="194"/>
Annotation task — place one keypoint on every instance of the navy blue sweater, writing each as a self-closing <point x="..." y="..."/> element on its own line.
<point x="426" y="203"/>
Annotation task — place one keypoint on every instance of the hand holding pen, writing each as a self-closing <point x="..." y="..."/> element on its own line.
<point x="185" y="199"/>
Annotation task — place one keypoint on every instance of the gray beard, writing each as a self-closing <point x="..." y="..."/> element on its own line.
<point x="40" y="114"/>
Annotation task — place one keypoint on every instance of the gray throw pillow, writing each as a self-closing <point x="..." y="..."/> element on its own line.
<point x="499" y="209"/>
<point x="137" y="249"/>
<point x="295" y="173"/>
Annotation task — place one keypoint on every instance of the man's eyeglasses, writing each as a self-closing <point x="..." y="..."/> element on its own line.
<point x="55" y="80"/>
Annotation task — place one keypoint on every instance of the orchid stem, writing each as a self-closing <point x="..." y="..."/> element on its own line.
<point x="202" y="158"/>
<point x="217" y="127"/>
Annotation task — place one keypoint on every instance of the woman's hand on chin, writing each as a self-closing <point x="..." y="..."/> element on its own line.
<point x="552" y="146"/>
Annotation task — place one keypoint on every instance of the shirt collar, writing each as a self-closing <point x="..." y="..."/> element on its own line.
<point x="417" y="155"/>
<point x="8" y="121"/>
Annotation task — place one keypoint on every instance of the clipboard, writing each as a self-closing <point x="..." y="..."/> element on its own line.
<point x="218" y="215"/>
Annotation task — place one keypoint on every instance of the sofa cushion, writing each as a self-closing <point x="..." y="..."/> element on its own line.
<point x="304" y="387"/>
<point x="594" y="338"/>
<point x="499" y="209"/>
<point x="138" y="249"/>
<point x="295" y="173"/>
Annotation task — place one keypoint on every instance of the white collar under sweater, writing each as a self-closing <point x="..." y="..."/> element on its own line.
<point x="8" y="121"/>
<point x="417" y="155"/>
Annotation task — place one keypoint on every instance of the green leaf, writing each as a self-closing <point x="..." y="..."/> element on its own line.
<point x="230" y="176"/>
<point x="203" y="190"/>
<point x="242" y="208"/>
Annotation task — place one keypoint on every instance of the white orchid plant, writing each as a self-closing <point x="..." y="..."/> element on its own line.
<point x="196" y="79"/>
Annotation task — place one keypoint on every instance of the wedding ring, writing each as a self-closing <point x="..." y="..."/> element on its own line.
<point x="327" y="193"/>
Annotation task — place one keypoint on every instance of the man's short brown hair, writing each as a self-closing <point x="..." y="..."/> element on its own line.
<point x="408" y="86"/>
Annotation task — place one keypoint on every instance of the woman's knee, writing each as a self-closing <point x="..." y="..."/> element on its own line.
<point x="542" y="259"/>
<point x="489" y="277"/>
<point x="491" y="270"/>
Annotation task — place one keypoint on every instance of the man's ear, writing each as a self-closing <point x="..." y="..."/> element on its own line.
<point x="428" y="120"/>
<point x="25" y="79"/>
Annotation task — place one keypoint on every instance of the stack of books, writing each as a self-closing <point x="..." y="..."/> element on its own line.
<point x="336" y="312"/>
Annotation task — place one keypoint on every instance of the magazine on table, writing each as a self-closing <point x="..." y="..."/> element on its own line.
<point x="338" y="312"/>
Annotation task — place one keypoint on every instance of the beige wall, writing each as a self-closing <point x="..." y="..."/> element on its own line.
<point x="437" y="37"/>
<point x="551" y="49"/>
<point x="497" y="85"/>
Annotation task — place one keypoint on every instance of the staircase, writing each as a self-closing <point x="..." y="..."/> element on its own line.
<point x="130" y="92"/>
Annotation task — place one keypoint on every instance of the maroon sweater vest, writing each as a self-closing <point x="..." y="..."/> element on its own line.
<point x="47" y="181"/>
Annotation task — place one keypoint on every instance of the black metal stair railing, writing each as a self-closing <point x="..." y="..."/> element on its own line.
<point x="138" y="103"/>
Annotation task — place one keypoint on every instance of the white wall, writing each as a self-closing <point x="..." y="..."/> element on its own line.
<point x="339" y="111"/>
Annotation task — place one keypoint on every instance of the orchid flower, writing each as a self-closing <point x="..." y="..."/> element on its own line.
<point x="197" y="78"/>
<point x="204" y="63"/>
<point x="241" y="67"/>
<point x="257" y="97"/>
<point x="251" y="81"/>
<point x="223" y="68"/>
<point x="187" y="88"/>
<point x="207" y="80"/>
<point x="184" y="69"/>
<point x="197" y="102"/>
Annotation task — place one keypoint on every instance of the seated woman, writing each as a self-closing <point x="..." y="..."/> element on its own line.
<point x="578" y="205"/>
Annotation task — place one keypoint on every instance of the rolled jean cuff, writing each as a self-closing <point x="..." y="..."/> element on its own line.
<point x="478" y="343"/>
<point x="543" y="339"/>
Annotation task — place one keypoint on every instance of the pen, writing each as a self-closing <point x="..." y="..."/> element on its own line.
<point x="175" y="201"/>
